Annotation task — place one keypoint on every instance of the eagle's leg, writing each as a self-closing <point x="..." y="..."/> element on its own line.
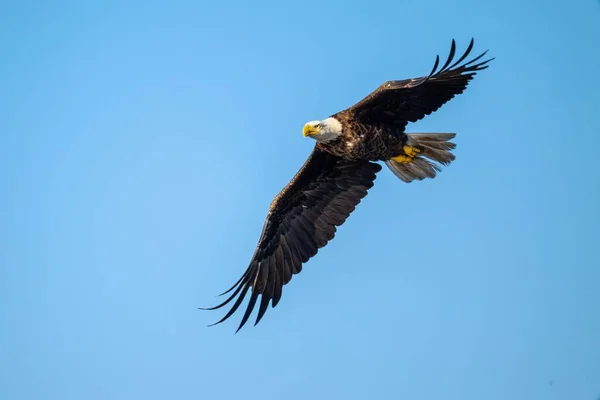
<point x="402" y="159"/>
<point x="410" y="152"/>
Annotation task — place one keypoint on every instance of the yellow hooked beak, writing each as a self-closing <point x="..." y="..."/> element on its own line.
<point x="309" y="130"/>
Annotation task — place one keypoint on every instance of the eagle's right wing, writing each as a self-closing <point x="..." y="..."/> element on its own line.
<point x="302" y="218"/>
<point x="409" y="100"/>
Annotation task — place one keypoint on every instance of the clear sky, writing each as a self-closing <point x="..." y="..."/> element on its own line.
<point x="141" y="144"/>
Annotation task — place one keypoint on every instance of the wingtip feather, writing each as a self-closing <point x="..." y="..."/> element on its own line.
<point x="435" y="65"/>
<point x="450" y="56"/>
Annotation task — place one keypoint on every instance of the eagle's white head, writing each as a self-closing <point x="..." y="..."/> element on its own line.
<point x="323" y="131"/>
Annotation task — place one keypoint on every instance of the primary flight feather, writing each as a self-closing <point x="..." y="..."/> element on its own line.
<point x="342" y="167"/>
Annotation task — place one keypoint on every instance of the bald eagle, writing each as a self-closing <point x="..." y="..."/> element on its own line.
<point x="342" y="167"/>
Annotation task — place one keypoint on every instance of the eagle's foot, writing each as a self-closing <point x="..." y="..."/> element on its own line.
<point x="411" y="151"/>
<point x="402" y="159"/>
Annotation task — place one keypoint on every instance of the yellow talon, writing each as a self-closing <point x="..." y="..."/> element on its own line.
<point x="402" y="159"/>
<point x="411" y="151"/>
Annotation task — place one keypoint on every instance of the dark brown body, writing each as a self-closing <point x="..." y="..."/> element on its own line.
<point x="366" y="141"/>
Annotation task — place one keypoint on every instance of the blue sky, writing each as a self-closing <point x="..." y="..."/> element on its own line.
<point x="142" y="142"/>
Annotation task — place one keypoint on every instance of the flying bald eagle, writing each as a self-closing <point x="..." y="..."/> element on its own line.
<point x="342" y="167"/>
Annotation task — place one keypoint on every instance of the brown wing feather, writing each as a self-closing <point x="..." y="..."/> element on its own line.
<point x="402" y="101"/>
<point x="302" y="218"/>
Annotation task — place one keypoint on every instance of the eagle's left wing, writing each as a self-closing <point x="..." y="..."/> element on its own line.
<point x="402" y="101"/>
<point x="302" y="218"/>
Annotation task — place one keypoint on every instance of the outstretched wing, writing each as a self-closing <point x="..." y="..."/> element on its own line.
<point x="409" y="100"/>
<point x="302" y="219"/>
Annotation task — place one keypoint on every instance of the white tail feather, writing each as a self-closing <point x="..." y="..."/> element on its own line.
<point x="434" y="147"/>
